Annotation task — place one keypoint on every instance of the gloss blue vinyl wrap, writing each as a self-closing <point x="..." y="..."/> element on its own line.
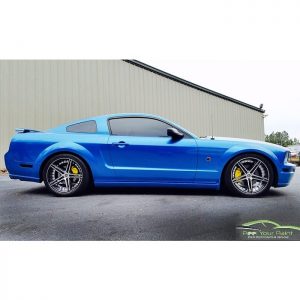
<point x="143" y="161"/>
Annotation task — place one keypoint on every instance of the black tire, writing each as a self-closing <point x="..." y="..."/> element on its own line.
<point x="239" y="180"/>
<point x="66" y="175"/>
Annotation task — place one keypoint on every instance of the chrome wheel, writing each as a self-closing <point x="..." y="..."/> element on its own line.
<point x="250" y="175"/>
<point x="64" y="175"/>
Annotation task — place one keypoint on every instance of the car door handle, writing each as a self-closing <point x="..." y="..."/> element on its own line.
<point x="120" y="144"/>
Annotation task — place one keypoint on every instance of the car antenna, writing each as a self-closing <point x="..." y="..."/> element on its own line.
<point x="212" y="127"/>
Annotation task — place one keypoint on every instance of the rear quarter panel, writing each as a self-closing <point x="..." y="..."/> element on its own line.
<point x="34" y="148"/>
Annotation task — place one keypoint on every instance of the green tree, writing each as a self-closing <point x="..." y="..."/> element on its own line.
<point x="281" y="138"/>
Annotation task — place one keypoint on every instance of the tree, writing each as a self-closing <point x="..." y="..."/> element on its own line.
<point x="281" y="138"/>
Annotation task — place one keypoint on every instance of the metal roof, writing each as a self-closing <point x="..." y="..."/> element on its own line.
<point x="190" y="84"/>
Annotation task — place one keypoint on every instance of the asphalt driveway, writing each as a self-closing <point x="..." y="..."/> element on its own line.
<point x="29" y="212"/>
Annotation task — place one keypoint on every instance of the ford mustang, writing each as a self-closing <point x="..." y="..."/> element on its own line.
<point x="143" y="150"/>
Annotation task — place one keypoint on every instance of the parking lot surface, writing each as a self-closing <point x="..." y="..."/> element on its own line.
<point x="29" y="212"/>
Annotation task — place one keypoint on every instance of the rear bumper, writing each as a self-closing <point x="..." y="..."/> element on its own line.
<point x="20" y="170"/>
<point x="285" y="175"/>
<point x="24" y="178"/>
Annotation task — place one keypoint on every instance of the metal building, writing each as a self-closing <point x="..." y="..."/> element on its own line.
<point x="40" y="94"/>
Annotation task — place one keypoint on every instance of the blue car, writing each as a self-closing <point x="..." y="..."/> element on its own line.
<point x="143" y="150"/>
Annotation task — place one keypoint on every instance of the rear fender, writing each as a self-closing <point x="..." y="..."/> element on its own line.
<point x="65" y="147"/>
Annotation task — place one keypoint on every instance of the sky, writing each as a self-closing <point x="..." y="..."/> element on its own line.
<point x="276" y="84"/>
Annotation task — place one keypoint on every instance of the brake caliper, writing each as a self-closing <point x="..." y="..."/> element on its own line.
<point x="237" y="173"/>
<point x="74" y="170"/>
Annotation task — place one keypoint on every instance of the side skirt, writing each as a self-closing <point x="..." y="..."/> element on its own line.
<point x="215" y="186"/>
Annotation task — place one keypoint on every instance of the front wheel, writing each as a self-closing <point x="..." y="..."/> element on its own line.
<point x="66" y="175"/>
<point x="249" y="175"/>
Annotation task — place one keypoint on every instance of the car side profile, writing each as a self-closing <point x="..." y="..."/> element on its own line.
<point x="143" y="150"/>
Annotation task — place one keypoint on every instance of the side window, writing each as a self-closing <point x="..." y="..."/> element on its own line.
<point x="83" y="127"/>
<point x="138" y="127"/>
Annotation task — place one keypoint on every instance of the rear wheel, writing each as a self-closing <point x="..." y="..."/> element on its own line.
<point x="66" y="175"/>
<point x="249" y="175"/>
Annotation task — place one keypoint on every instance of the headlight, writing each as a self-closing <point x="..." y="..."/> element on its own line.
<point x="287" y="157"/>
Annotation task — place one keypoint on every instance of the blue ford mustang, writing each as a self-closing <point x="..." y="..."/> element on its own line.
<point x="143" y="150"/>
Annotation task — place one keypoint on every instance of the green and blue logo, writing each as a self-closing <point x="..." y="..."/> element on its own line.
<point x="267" y="230"/>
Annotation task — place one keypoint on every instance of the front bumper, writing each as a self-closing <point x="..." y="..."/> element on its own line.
<point x="285" y="175"/>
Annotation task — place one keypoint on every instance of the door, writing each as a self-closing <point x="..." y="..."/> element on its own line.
<point x="141" y="150"/>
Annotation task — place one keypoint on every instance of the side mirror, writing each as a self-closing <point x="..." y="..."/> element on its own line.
<point x="174" y="133"/>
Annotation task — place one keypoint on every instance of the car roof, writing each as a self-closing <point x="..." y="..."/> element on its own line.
<point x="122" y="115"/>
<point x="108" y="116"/>
<point x="62" y="127"/>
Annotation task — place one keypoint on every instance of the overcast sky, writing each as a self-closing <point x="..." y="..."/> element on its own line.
<point x="276" y="84"/>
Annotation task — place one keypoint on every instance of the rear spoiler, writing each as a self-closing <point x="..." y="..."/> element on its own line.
<point x="25" y="130"/>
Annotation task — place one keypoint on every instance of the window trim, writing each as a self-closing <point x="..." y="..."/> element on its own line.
<point x="81" y="123"/>
<point x="186" y="135"/>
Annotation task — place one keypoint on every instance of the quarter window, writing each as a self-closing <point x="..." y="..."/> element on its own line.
<point x="83" y="127"/>
<point x="138" y="127"/>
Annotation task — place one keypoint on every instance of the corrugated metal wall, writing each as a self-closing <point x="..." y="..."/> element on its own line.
<point x="43" y="94"/>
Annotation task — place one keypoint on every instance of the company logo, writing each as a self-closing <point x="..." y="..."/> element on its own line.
<point x="267" y="230"/>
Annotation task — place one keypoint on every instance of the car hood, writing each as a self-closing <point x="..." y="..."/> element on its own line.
<point x="272" y="147"/>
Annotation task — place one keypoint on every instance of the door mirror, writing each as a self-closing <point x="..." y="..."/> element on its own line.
<point x="174" y="133"/>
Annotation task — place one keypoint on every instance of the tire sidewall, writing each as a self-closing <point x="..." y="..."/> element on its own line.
<point x="85" y="175"/>
<point x="229" y="186"/>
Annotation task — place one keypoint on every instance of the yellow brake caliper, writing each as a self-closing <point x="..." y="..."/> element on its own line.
<point x="74" y="170"/>
<point x="237" y="173"/>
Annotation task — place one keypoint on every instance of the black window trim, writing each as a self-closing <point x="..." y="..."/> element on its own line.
<point x="187" y="135"/>
<point x="81" y="123"/>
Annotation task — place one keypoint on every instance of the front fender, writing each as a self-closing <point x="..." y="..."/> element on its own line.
<point x="236" y="150"/>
